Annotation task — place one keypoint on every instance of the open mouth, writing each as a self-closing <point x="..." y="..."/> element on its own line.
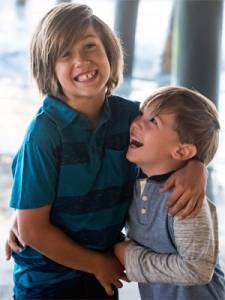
<point x="86" y="76"/>
<point x="134" y="143"/>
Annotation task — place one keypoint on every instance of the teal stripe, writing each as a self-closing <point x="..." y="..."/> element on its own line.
<point x="116" y="170"/>
<point x="75" y="180"/>
<point x="93" y="221"/>
<point x="42" y="278"/>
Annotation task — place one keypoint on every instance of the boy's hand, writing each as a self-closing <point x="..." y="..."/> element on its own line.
<point x="120" y="249"/>
<point x="13" y="239"/>
<point x="189" y="190"/>
<point x="109" y="271"/>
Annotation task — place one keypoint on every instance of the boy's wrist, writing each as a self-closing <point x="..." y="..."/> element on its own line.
<point x="93" y="262"/>
<point x="120" y="250"/>
<point x="201" y="166"/>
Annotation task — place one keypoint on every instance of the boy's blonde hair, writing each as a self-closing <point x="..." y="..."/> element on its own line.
<point x="196" y="118"/>
<point x="57" y="32"/>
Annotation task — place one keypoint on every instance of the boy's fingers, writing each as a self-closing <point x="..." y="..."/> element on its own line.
<point x="118" y="284"/>
<point x="173" y="199"/>
<point x="181" y="203"/>
<point x="183" y="213"/>
<point x="124" y="277"/>
<point x="21" y="242"/>
<point x="12" y="243"/>
<point x="196" y="209"/>
<point x="188" y="210"/>
<point x="108" y="288"/>
<point x="8" y="251"/>
<point x="15" y="235"/>
<point x="15" y="247"/>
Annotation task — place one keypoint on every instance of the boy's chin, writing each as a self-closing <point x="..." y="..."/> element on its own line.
<point x="130" y="157"/>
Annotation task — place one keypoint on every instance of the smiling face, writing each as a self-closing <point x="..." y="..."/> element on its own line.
<point x="84" y="71"/>
<point x="153" y="142"/>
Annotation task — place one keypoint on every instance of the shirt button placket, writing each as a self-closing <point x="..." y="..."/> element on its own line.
<point x="144" y="208"/>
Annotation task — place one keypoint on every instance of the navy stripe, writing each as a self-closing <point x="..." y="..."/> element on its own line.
<point x="24" y="259"/>
<point x="94" y="200"/>
<point x="99" y="239"/>
<point x="78" y="153"/>
<point x="74" y="153"/>
<point x="117" y="141"/>
<point x="98" y="220"/>
<point x="80" y="179"/>
<point x="43" y="287"/>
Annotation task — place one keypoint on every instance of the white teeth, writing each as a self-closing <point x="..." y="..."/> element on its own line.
<point x="85" y="77"/>
<point x="132" y="137"/>
<point x="135" y="143"/>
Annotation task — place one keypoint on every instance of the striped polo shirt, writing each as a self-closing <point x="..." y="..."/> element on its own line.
<point x="83" y="173"/>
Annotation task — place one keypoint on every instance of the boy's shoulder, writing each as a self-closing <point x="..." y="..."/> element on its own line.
<point x="42" y="131"/>
<point x="46" y="126"/>
<point x="58" y="112"/>
<point x="123" y="108"/>
<point x="123" y="102"/>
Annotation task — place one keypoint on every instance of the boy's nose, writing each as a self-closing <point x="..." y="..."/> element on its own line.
<point x="81" y="63"/>
<point x="79" y="59"/>
<point x="138" y="123"/>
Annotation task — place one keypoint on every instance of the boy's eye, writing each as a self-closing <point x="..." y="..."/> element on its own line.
<point x="90" y="46"/>
<point x="65" y="54"/>
<point x="153" y="120"/>
<point x="140" y="113"/>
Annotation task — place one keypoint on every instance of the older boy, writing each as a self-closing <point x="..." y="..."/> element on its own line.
<point x="171" y="258"/>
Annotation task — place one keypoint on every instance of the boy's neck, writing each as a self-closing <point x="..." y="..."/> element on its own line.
<point x="162" y="169"/>
<point x="90" y="108"/>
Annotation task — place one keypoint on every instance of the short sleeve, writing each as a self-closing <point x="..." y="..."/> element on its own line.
<point x="35" y="176"/>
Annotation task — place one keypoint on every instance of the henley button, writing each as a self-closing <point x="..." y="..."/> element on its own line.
<point x="145" y="198"/>
<point x="143" y="211"/>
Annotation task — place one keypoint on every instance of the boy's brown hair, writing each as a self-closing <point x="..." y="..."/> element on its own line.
<point x="196" y="118"/>
<point x="57" y="32"/>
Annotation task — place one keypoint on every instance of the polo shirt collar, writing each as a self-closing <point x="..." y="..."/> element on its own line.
<point x="59" y="111"/>
<point x="63" y="115"/>
<point x="157" y="178"/>
<point x="106" y="113"/>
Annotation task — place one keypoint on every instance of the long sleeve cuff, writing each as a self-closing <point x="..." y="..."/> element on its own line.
<point x="132" y="265"/>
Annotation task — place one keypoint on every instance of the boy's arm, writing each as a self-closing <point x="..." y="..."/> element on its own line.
<point x="189" y="191"/>
<point x="37" y="232"/>
<point x="197" y="245"/>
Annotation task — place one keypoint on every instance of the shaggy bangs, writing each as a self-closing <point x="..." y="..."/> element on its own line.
<point x="56" y="34"/>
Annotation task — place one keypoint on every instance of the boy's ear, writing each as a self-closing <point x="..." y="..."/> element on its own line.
<point x="184" y="151"/>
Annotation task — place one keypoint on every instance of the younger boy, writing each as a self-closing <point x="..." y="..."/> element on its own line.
<point x="171" y="258"/>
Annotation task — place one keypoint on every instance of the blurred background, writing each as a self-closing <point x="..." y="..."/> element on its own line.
<point x="165" y="41"/>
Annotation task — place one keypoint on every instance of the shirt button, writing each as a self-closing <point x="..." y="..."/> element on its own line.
<point x="143" y="211"/>
<point x="144" y="198"/>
